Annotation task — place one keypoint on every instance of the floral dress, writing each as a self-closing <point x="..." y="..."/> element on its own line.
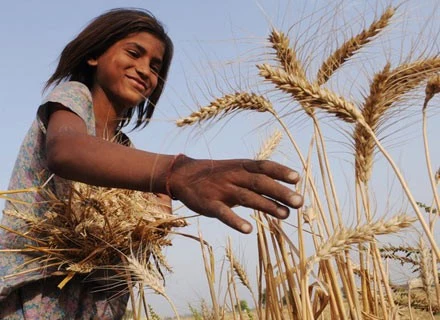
<point x="27" y="291"/>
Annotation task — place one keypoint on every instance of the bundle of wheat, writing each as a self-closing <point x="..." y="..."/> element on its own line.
<point x="97" y="228"/>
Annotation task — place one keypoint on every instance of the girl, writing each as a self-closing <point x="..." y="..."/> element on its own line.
<point x="113" y="70"/>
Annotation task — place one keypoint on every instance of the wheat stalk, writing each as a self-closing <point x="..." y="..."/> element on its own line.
<point x="431" y="89"/>
<point x="226" y="104"/>
<point x="349" y="48"/>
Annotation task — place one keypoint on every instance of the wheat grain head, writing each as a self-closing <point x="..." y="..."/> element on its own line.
<point x="227" y="104"/>
<point x="349" y="47"/>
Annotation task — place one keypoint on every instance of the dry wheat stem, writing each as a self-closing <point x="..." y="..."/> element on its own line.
<point x="353" y="286"/>
<point x="286" y="277"/>
<point x="312" y="94"/>
<point x="306" y="167"/>
<point x="383" y="275"/>
<point x="342" y="268"/>
<point x="349" y="48"/>
<point x="378" y="266"/>
<point x="432" y="88"/>
<point x="406" y="190"/>
<point x="227" y="104"/>
<point x="324" y="155"/>
<point x="209" y="265"/>
<point x="346" y="237"/>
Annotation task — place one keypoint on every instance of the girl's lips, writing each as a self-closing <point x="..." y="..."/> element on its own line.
<point x="138" y="84"/>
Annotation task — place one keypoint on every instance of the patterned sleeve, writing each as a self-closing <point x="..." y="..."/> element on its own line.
<point x="74" y="96"/>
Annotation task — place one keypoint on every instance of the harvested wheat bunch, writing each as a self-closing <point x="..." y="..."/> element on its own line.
<point x="98" y="228"/>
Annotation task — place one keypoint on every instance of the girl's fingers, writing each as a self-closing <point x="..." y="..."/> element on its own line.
<point x="264" y="185"/>
<point x="222" y="212"/>
<point x="247" y="198"/>
<point x="272" y="169"/>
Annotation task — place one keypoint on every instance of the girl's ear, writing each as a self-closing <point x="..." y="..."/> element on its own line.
<point x="93" y="62"/>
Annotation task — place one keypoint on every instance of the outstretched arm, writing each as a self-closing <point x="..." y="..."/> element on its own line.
<point x="208" y="187"/>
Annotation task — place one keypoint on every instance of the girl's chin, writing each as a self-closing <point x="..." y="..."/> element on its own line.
<point x="133" y="101"/>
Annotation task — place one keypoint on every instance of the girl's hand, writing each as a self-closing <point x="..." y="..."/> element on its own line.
<point x="164" y="202"/>
<point x="159" y="202"/>
<point x="212" y="187"/>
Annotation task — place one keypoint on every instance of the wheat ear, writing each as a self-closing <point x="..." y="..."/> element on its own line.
<point x="238" y="269"/>
<point x="372" y="112"/>
<point x="269" y="146"/>
<point x="349" y="48"/>
<point x="226" y="104"/>
<point x="286" y="55"/>
<point x="147" y="277"/>
<point x="312" y="94"/>
<point x="386" y="89"/>
<point x="345" y="237"/>
<point x="425" y="263"/>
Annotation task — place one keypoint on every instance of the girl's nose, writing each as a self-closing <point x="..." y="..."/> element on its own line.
<point x="143" y="70"/>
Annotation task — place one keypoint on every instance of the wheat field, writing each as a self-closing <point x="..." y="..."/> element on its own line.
<point x="346" y="275"/>
<point x="332" y="259"/>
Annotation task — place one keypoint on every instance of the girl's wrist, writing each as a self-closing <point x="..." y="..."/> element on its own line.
<point x="169" y="173"/>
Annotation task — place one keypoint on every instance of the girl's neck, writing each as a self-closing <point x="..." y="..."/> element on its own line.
<point x="107" y="115"/>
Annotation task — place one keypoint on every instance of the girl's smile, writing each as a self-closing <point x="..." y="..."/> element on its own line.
<point x="127" y="72"/>
<point x="138" y="83"/>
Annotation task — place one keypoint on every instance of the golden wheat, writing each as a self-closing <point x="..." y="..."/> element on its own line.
<point x="345" y="237"/>
<point x="238" y="269"/>
<point x="387" y="89"/>
<point x="226" y="104"/>
<point x="286" y="55"/>
<point x="92" y="228"/>
<point x="349" y="48"/>
<point x="425" y="263"/>
<point x="269" y="146"/>
<point x="311" y="94"/>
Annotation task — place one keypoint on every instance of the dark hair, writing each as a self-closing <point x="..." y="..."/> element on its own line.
<point x="101" y="34"/>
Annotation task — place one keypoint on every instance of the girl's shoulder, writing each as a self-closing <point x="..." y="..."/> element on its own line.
<point x="74" y="96"/>
<point x="69" y="90"/>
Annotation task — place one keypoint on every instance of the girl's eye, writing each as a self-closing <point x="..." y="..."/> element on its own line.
<point x="134" y="53"/>
<point x="155" y="69"/>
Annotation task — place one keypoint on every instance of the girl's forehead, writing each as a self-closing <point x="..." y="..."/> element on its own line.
<point x="145" y="37"/>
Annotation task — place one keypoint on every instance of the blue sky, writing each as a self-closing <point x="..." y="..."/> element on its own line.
<point x="224" y="38"/>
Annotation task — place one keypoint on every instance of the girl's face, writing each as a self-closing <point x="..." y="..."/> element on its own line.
<point x="127" y="73"/>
